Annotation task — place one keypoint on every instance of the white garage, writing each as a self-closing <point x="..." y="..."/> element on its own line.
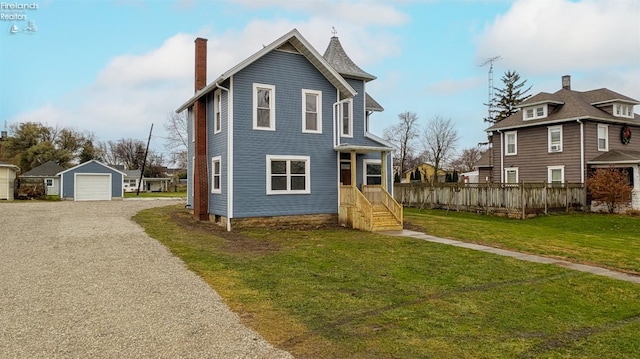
<point x="7" y="178"/>
<point x="93" y="187"/>
<point x="92" y="181"/>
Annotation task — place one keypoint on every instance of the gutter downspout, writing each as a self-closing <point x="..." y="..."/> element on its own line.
<point x="229" y="157"/>
<point x="501" y="156"/>
<point x="582" y="169"/>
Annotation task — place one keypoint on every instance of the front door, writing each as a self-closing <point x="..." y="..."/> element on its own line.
<point x="345" y="173"/>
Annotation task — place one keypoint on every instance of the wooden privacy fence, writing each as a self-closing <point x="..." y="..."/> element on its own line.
<point x="515" y="199"/>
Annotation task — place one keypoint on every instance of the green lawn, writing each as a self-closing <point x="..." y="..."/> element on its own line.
<point x="182" y="194"/>
<point x="338" y="293"/>
<point x="611" y="241"/>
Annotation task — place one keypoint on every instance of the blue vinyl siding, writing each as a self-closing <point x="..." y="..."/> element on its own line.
<point x="289" y="73"/>
<point x="91" y="167"/>
<point x="217" y="146"/>
<point x="190" y="153"/>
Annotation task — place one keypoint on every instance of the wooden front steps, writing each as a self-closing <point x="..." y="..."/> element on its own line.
<point x="383" y="220"/>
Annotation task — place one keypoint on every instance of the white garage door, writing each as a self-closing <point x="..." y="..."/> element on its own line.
<point x="94" y="187"/>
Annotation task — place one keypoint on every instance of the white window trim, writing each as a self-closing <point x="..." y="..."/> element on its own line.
<point x="606" y="137"/>
<point x="511" y="169"/>
<point x="506" y="143"/>
<point x="318" y="112"/>
<point x="49" y="179"/>
<point x="623" y="110"/>
<point x="365" y="163"/>
<point x="272" y="107"/>
<point x="350" y="134"/>
<point x="550" y="169"/>
<point x="307" y="171"/>
<point x="217" y="127"/>
<point x="214" y="174"/>
<point x="545" y="112"/>
<point x="549" y="144"/>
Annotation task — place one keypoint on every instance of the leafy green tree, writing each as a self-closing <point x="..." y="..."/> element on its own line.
<point x="506" y="99"/>
<point x="32" y="144"/>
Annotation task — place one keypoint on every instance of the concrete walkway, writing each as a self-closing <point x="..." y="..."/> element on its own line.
<point x="518" y="255"/>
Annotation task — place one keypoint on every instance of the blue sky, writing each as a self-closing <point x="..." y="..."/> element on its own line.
<point x="116" y="67"/>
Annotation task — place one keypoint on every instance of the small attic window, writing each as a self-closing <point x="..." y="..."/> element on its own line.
<point x="535" y="112"/>
<point x="623" y="110"/>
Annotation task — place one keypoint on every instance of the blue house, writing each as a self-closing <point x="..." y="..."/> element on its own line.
<point x="283" y="137"/>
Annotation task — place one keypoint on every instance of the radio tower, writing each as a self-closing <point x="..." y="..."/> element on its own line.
<point x="490" y="99"/>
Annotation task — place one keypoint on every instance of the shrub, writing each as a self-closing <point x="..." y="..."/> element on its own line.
<point x="610" y="186"/>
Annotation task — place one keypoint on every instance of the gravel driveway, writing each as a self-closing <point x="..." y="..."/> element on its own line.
<point x="81" y="280"/>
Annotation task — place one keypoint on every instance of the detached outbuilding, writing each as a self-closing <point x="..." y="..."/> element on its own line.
<point x="91" y="181"/>
<point x="7" y="179"/>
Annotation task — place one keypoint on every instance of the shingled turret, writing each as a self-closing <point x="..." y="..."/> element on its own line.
<point x="340" y="61"/>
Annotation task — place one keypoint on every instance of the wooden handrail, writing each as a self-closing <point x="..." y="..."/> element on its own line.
<point x="392" y="205"/>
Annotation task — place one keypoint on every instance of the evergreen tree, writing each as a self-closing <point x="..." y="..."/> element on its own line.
<point x="508" y="97"/>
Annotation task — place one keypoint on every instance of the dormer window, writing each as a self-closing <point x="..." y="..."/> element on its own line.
<point x="623" y="110"/>
<point x="535" y="112"/>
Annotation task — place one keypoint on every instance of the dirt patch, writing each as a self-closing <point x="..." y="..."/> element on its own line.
<point x="232" y="241"/>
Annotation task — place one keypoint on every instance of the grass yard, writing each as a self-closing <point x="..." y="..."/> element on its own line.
<point x="611" y="241"/>
<point x="182" y="194"/>
<point x="338" y="293"/>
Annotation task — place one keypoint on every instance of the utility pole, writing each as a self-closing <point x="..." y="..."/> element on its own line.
<point x="490" y="97"/>
<point x="144" y="161"/>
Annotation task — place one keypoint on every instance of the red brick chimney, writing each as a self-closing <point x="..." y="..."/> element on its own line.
<point x="200" y="175"/>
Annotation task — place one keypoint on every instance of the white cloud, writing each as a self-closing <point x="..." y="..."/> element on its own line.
<point x="542" y="36"/>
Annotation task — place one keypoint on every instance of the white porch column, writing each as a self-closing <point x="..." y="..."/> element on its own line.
<point x="383" y="170"/>
<point x="635" y="192"/>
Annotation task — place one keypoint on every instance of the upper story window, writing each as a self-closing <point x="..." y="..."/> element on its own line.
<point x="555" y="138"/>
<point x="288" y="174"/>
<point x="623" y="110"/>
<point x="311" y="111"/>
<point x="264" y="107"/>
<point x="511" y="143"/>
<point x="603" y="138"/>
<point x="217" y="121"/>
<point x="532" y="113"/>
<point x="216" y="170"/>
<point x="344" y="112"/>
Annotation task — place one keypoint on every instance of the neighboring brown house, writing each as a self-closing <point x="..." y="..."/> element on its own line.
<point x="558" y="137"/>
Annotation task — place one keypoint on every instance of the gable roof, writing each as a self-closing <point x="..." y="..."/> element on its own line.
<point x="295" y="39"/>
<point x="569" y="105"/>
<point x="85" y="163"/>
<point x="47" y="169"/>
<point x="338" y="58"/>
<point x="484" y="161"/>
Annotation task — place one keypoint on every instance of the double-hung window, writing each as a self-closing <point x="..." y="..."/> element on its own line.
<point x="288" y="174"/>
<point x="264" y="107"/>
<point x="555" y="138"/>
<point x="555" y="175"/>
<point x="343" y="112"/>
<point x="511" y="175"/>
<point x="311" y="111"/>
<point x="511" y="143"/>
<point x="373" y="172"/>
<point x="217" y="124"/>
<point x="216" y="171"/>
<point x="603" y="138"/>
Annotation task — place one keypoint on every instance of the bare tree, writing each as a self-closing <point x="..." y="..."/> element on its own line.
<point x="403" y="135"/>
<point x="126" y="151"/>
<point x="439" y="141"/>
<point x="467" y="159"/>
<point x="177" y="137"/>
